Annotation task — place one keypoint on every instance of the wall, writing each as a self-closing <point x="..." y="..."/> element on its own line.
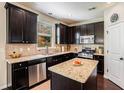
<point x="2" y="46"/>
<point x="117" y="8"/>
<point x="93" y="46"/>
<point x="88" y="21"/>
<point x="10" y="47"/>
<point x="32" y="49"/>
<point x="27" y="49"/>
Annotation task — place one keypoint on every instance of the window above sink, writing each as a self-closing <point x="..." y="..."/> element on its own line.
<point x="44" y="35"/>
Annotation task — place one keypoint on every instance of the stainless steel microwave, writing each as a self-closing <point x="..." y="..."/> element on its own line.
<point x="87" y="39"/>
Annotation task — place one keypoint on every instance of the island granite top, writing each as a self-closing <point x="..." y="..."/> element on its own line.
<point x="78" y="73"/>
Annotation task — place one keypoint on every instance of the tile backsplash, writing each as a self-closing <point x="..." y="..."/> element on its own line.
<point x="80" y="47"/>
<point x="31" y="49"/>
<point x="26" y="49"/>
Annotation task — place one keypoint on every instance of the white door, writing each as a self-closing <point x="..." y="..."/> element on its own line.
<point x="115" y="40"/>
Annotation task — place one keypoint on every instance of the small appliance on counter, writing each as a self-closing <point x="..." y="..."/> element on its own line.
<point x="99" y="50"/>
<point x="15" y="55"/>
<point x="86" y="53"/>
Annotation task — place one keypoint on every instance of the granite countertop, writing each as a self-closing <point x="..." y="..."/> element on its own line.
<point x="78" y="73"/>
<point x="32" y="57"/>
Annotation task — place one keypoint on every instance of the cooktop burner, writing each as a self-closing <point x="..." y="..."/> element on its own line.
<point x="86" y="53"/>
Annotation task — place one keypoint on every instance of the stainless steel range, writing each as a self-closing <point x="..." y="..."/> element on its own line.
<point x="86" y="53"/>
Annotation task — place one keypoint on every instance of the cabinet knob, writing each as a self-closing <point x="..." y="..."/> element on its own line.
<point x="26" y="68"/>
<point x="20" y="64"/>
<point x="121" y="58"/>
<point x="26" y="41"/>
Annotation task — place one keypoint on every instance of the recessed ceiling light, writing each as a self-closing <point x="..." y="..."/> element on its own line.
<point x="69" y="15"/>
<point x="92" y="8"/>
<point x="108" y="2"/>
<point x="50" y="13"/>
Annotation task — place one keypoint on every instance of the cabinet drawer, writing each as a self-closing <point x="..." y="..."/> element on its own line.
<point x="19" y="65"/>
<point x="36" y="61"/>
<point x="98" y="57"/>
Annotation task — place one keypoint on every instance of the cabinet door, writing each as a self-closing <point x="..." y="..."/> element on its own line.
<point x="77" y="34"/>
<point x="20" y="78"/>
<point x="100" y="66"/>
<point x="70" y="35"/>
<point x="83" y="30"/>
<point x="73" y="35"/>
<point x="48" y="64"/>
<point x="90" y="29"/>
<point x="63" y="34"/>
<point x="57" y="33"/>
<point x="30" y="29"/>
<point x="99" y="33"/>
<point x="16" y="25"/>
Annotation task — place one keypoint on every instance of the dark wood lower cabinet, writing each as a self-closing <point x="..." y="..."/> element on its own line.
<point x="59" y="82"/>
<point x="58" y="59"/>
<point x="100" y="66"/>
<point x="20" y="71"/>
<point x="20" y="78"/>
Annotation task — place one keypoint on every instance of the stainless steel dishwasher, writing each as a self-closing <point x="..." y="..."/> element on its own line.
<point x="37" y="71"/>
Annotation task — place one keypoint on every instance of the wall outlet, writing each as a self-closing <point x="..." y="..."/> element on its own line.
<point x="21" y="49"/>
<point x="28" y="49"/>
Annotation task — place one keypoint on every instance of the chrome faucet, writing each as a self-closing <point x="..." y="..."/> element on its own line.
<point x="47" y="50"/>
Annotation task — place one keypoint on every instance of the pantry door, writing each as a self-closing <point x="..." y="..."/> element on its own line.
<point x="115" y="52"/>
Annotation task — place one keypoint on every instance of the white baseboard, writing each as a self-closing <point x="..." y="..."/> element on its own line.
<point x="3" y="86"/>
<point x="105" y="76"/>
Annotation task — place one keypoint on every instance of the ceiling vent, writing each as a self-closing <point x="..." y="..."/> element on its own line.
<point x="92" y="8"/>
<point x="50" y="13"/>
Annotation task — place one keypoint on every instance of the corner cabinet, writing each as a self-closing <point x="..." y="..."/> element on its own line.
<point x="99" y="33"/>
<point x="71" y="35"/>
<point x="21" y="25"/>
<point x="61" y="33"/>
<point x="90" y="29"/>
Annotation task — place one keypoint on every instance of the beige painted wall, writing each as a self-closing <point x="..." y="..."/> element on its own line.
<point x="88" y="21"/>
<point x="2" y="46"/>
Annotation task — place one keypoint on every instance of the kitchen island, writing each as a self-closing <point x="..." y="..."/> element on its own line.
<point x="67" y="76"/>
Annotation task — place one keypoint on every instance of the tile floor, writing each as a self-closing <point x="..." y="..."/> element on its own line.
<point x="43" y="86"/>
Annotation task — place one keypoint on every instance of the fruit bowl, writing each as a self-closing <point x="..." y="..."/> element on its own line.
<point x="77" y="63"/>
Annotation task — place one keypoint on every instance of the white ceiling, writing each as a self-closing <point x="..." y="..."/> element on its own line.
<point x="70" y="12"/>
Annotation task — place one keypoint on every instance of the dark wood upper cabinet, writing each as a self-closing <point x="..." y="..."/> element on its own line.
<point x="99" y="33"/>
<point x="77" y="34"/>
<point x="90" y="29"/>
<point x="21" y="25"/>
<point x="71" y="35"/>
<point x="83" y="30"/>
<point x="30" y="34"/>
<point x="15" y="19"/>
<point x="61" y="34"/>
